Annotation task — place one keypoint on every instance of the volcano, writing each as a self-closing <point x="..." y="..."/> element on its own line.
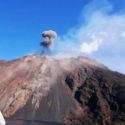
<point x="77" y="91"/>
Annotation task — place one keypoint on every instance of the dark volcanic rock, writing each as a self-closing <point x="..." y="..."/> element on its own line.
<point x="73" y="91"/>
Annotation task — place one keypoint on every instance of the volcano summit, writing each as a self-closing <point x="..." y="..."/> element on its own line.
<point x="77" y="91"/>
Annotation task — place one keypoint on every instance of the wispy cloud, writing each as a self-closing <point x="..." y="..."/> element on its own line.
<point x="99" y="34"/>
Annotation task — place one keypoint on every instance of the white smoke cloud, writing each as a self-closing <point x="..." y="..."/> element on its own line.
<point x="100" y="33"/>
<point x="89" y="47"/>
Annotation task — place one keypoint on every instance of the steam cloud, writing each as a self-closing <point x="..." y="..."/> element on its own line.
<point x="100" y="33"/>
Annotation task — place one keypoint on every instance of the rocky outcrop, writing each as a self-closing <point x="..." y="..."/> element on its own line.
<point x="73" y="91"/>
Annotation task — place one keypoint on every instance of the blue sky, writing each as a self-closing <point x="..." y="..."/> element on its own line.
<point x="22" y="21"/>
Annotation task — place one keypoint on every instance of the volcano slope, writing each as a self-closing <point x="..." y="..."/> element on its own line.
<point x="73" y="91"/>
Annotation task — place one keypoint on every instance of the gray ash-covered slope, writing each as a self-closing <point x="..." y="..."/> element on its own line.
<point x="75" y="90"/>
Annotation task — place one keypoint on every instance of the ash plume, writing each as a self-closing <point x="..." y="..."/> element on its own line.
<point x="48" y="38"/>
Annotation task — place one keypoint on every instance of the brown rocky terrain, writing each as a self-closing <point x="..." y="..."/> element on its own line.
<point x="73" y="91"/>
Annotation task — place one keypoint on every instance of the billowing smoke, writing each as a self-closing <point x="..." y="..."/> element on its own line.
<point x="100" y="33"/>
<point x="48" y="38"/>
